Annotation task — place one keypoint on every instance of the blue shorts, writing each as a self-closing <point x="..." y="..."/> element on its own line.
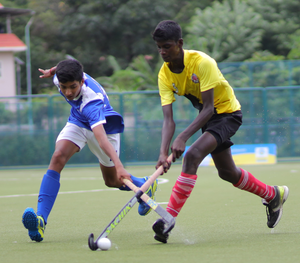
<point x="222" y="127"/>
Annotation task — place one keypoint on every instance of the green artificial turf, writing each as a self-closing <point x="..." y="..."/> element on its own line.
<point x="219" y="223"/>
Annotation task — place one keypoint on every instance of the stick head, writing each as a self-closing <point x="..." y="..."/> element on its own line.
<point x="93" y="246"/>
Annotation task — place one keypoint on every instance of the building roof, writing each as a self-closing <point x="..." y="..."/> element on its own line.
<point x="10" y="42"/>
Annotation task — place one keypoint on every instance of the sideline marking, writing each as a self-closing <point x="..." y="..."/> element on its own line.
<point x="160" y="181"/>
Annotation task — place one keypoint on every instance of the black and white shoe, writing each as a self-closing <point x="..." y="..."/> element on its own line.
<point x="162" y="230"/>
<point x="274" y="207"/>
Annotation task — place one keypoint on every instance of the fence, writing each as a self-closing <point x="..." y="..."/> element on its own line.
<point x="29" y="125"/>
<point x="262" y="73"/>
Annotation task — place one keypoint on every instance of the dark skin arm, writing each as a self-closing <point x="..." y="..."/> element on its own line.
<point x="167" y="133"/>
<point x="178" y="146"/>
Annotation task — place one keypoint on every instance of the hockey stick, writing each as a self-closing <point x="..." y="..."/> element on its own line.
<point x="166" y="216"/>
<point x="139" y="194"/>
<point x="113" y="223"/>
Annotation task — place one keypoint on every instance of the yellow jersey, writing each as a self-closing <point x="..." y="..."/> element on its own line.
<point x="200" y="73"/>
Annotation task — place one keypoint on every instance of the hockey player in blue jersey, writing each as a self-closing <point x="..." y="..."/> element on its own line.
<point x="92" y="121"/>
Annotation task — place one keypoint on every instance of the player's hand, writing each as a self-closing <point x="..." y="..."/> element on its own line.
<point x="162" y="160"/>
<point x="47" y="73"/>
<point x="178" y="148"/>
<point x="123" y="174"/>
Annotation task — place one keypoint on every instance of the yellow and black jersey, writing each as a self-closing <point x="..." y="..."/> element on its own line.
<point x="200" y="74"/>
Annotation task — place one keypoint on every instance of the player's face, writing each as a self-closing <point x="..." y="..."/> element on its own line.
<point x="170" y="50"/>
<point x="71" y="89"/>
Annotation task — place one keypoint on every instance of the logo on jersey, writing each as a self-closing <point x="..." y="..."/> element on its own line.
<point x="195" y="78"/>
<point x="176" y="90"/>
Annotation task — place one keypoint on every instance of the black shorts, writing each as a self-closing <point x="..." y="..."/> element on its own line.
<point x="222" y="127"/>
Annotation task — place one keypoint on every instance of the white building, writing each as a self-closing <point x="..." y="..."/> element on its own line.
<point x="9" y="44"/>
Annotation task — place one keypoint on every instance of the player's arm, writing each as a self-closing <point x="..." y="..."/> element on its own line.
<point x="167" y="133"/>
<point x="178" y="146"/>
<point x="47" y="73"/>
<point x="109" y="150"/>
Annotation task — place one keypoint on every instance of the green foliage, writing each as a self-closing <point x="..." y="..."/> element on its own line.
<point x="228" y="31"/>
<point x="94" y="31"/>
<point x="88" y="30"/>
<point x="281" y="21"/>
<point x="295" y="46"/>
<point x="24" y="148"/>
<point x="253" y="73"/>
<point x="264" y="56"/>
<point x="137" y="76"/>
<point x="188" y="9"/>
<point x="5" y="115"/>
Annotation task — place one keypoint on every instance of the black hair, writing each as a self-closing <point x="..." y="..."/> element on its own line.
<point x="69" y="70"/>
<point x="167" y="30"/>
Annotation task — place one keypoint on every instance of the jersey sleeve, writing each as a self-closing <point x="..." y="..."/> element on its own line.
<point x="94" y="113"/>
<point x="209" y="74"/>
<point x="165" y="91"/>
<point x="56" y="82"/>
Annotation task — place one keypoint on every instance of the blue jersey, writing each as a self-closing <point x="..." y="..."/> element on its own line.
<point x="91" y="107"/>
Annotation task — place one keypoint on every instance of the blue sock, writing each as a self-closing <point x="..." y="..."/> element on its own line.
<point x="136" y="181"/>
<point x="48" y="192"/>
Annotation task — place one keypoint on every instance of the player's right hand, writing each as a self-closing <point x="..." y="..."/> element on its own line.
<point x="123" y="174"/>
<point x="162" y="160"/>
<point x="46" y="73"/>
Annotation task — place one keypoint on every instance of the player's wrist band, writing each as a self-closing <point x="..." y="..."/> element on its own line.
<point x="51" y="71"/>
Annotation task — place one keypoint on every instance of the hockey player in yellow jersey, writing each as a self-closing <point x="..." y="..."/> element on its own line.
<point x="195" y="75"/>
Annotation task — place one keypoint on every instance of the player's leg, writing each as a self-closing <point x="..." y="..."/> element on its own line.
<point x="109" y="172"/>
<point x="64" y="150"/>
<point x="187" y="179"/>
<point x="65" y="147"/>
<point x="273" y="196"/>
<point x="185" y="182"/>
<point x="36" y="222"/>
<point x="215" y="134"/>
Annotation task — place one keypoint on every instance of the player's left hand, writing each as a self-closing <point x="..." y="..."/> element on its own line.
<point x="162" y="160"/>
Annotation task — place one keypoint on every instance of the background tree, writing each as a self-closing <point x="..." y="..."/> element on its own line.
<point x="92" y="31"/>
<point x="281" y="22"/>
<point x="228" y="31"/>
<point x="88" y="30"/>
<point x="139" y="75"/>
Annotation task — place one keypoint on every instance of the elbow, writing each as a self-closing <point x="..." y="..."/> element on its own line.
<point x="209" y="112"/>
<point x="171" y="124"/>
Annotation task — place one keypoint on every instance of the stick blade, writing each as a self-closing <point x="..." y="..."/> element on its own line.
<point x="92" y="245"/>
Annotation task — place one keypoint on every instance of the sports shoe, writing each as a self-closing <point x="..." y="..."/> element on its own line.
<point x="274" y="207"/>
<point x="34" y="223"/>
<point x="145" y="209"/>
<point x="162" y="230"/>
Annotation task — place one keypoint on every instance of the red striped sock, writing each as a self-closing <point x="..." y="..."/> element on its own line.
<point x="249" y="183"/>
<point x="180" y="192"/>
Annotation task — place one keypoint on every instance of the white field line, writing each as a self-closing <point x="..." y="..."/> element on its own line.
<point x="160" y="181"/>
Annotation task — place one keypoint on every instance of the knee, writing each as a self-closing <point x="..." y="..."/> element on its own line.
<point x="191" y="161"/>
<point x="59" y="157"/>
<point x="232" y="175"/>
<point x="112" y="183"/>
